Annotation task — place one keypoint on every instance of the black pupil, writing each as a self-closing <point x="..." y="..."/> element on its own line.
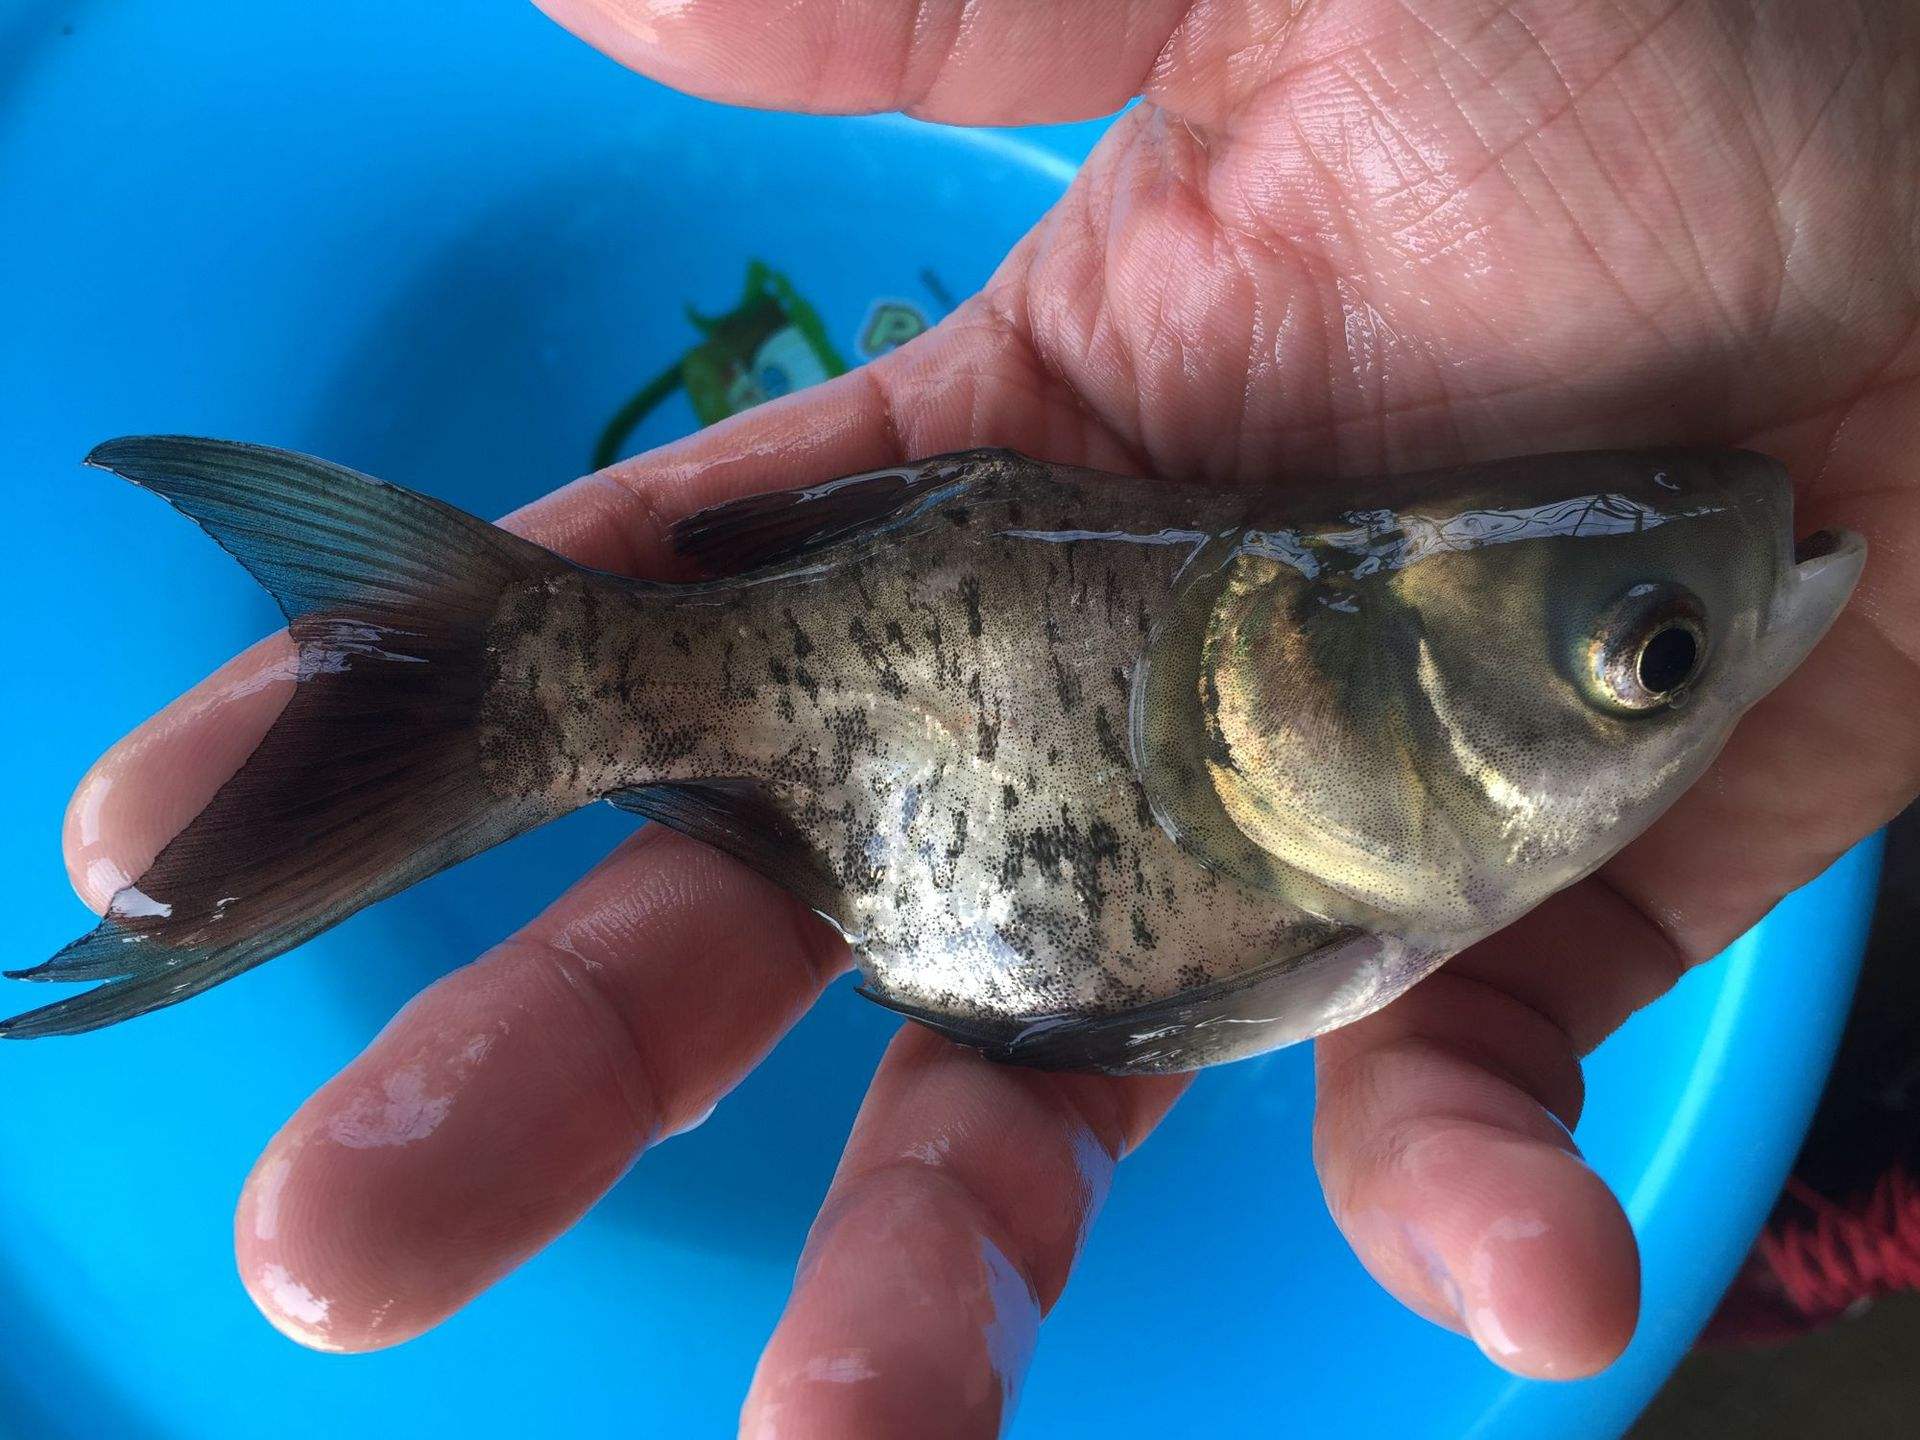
<point x="1668" y="659"/>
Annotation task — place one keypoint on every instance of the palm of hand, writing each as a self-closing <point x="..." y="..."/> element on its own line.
<point x="1368" y="236"/>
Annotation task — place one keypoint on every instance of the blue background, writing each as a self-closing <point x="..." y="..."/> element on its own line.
<point x="444" y="253"/>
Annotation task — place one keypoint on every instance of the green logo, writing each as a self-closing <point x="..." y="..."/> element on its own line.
<point x="769" y="344"/>
<point x="889" y="325"/>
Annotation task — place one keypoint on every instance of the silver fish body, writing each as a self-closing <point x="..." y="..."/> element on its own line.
<point x="1098" y="772"/>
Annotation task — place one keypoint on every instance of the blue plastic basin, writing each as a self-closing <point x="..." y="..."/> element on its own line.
<point x="445" y="252"/>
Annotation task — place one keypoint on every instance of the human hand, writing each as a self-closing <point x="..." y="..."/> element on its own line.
<point x="1352" y="240"/>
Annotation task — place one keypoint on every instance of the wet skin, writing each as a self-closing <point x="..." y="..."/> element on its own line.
<point x="1100" y="773"/>
<point x="1363" y="241"/>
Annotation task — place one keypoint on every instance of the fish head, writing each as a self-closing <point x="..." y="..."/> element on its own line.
<point x="1470" y="690"/>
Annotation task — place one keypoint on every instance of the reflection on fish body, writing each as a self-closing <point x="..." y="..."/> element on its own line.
<point x="1093" y="772"/>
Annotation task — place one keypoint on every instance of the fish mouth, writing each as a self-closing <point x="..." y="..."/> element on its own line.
<point x="1812" y="593"/>
<point x="1822" y="543"/>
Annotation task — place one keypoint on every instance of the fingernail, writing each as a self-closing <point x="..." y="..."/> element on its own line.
<point x="1502" y="1335"/>
<point x="291" y="1307"/>
<point x="1403" y="1257"/>
<point x="1572" y="1145"/>
<point x="1446" y="1288"/>
<point x="1013" y="1326"/>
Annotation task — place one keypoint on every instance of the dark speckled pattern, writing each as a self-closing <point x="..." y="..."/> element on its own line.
<point x="1094" y="772"/>
<point x="1109" y="773"/>
<point x="942" y="709"/>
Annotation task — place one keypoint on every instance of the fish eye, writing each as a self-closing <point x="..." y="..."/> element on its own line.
<point x="1667" y="659"/>
<point x="1647" y="647"/>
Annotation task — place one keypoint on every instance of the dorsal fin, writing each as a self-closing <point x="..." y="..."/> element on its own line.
<point x="739" y="818"/>
<point x="783" y="525"/>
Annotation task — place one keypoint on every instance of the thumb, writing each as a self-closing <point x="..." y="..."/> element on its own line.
<point x="973" y="62"/>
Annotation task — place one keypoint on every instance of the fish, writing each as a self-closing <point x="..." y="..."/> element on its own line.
<point x="1092" y="772"/>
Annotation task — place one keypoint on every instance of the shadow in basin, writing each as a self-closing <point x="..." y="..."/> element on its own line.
<point x="21" y="40"/>
<point x="53" y="1391"/>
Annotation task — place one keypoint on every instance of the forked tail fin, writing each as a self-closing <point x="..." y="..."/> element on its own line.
<point x="371" y="778"/>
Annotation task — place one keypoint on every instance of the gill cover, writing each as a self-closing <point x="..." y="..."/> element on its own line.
<point x="1278" y="738"/>
<point x="1204" y="751"/>
<point x="1387" y="716"/>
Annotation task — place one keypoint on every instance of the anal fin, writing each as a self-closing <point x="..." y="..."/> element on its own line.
<point x="739" y="818"/>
